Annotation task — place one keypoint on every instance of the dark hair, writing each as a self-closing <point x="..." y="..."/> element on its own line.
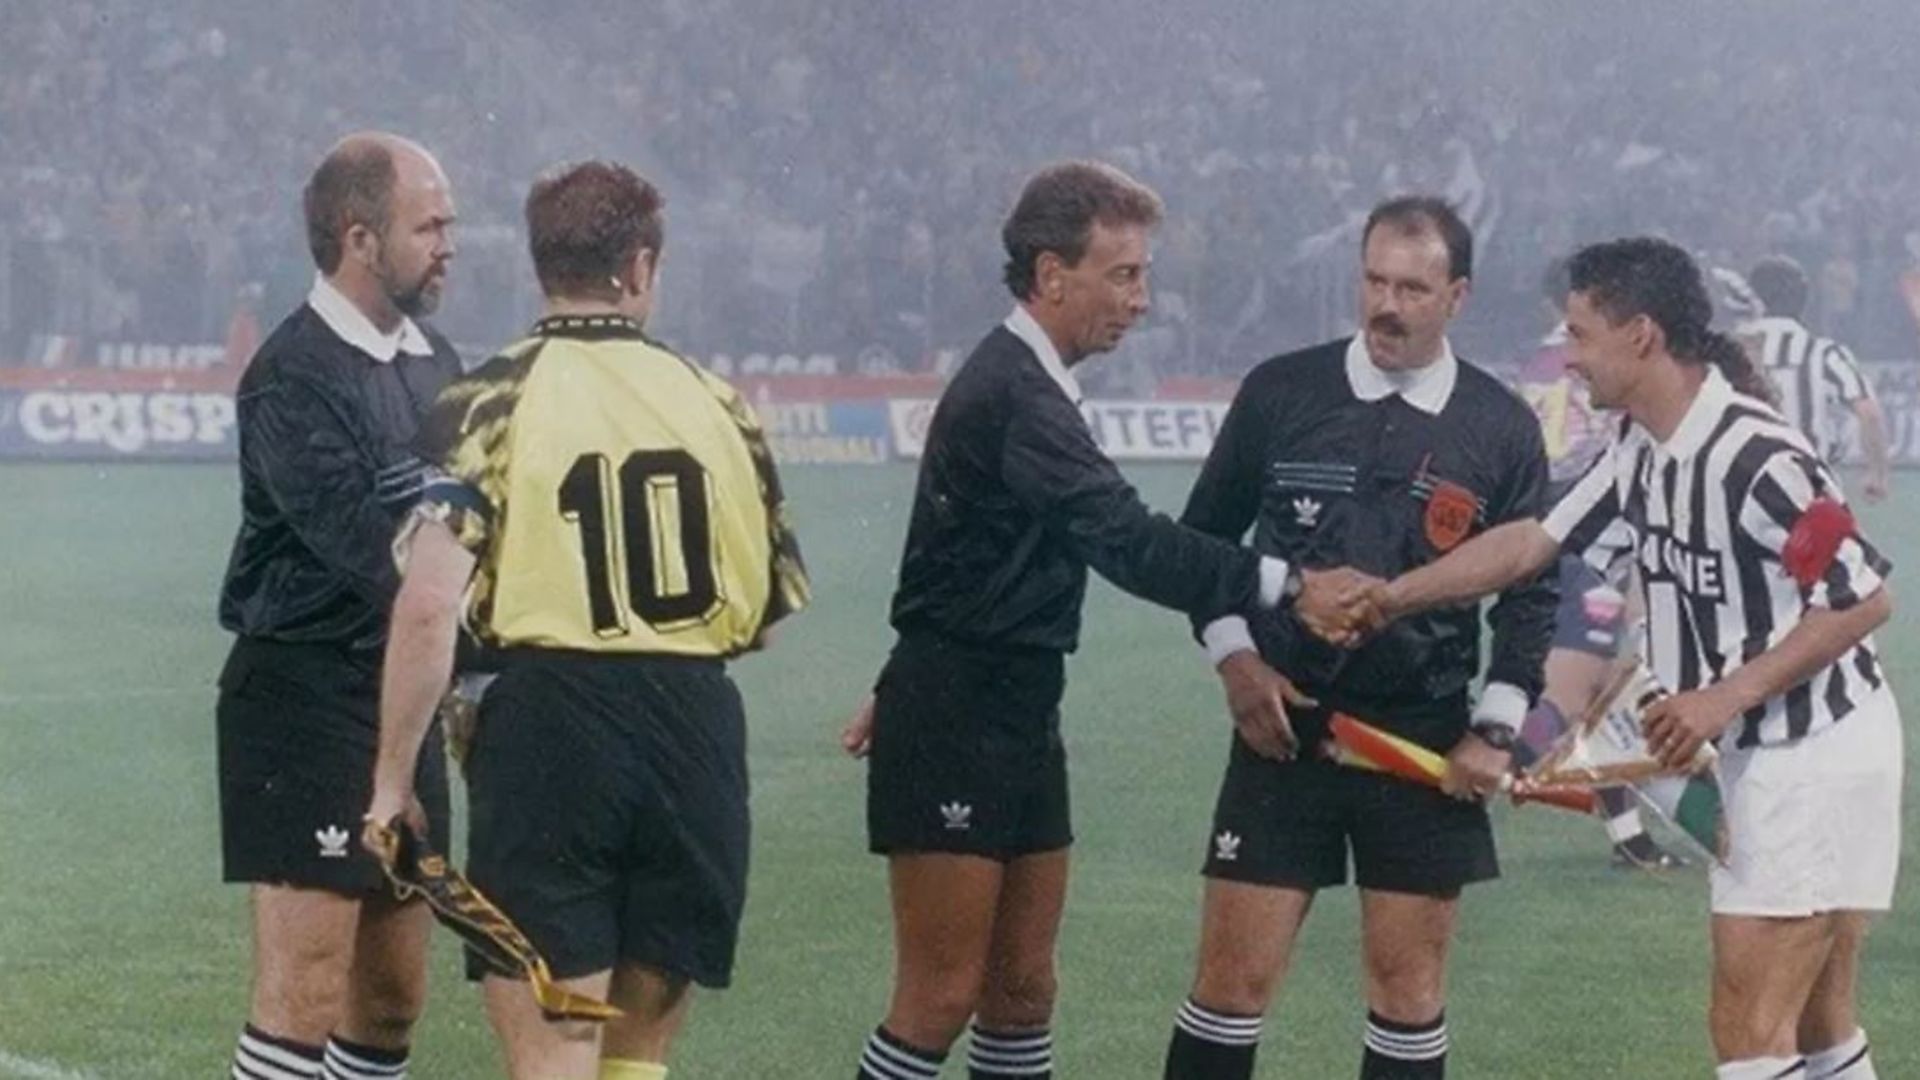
<point x="1737" y="365"/>
<point x="1057" y="210"/>
<point x="352" y="186"/>
<point x="1780" y="284"/>
<point x="585" y="224"/>
<point x="1413" y="215"/>
<point x="1647" y="276"/>
<point x="1643" y="275"/>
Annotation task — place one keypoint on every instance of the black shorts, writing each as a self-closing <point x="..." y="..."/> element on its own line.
<point x="298" y="727"/>
<point x="608" y="811"/>
<point x="1591" y="614"/>
<point x="1294" y="824"/>
<point x="967" y="757"/>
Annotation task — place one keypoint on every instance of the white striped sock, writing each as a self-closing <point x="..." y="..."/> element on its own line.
<point x="1402" y="1042"/>
<point x="1005" y="1053"/>
<point x="261" y="1057"/>
<point x="888" y="1058"/>
<point x="1215" y="1027"/>
<point x="1850" y="1060"/>
<point x="346" y="1062"/>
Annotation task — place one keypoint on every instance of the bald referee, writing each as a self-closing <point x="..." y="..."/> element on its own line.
<point x="967" y="788"/>
<point x="607" y="515"/>
<point x="328" y="409"/>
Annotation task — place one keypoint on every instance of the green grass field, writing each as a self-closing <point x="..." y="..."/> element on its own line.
<point x="121" y="955"/>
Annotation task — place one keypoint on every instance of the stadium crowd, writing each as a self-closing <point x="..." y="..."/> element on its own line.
<point x="834" y="175"/>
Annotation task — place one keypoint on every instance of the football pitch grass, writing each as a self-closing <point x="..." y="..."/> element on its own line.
<point x="122" y="956"/>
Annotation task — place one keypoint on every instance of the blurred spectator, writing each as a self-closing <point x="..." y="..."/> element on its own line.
<point x="824" y="163"/>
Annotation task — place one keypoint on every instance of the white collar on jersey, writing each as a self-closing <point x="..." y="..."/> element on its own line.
<point x="1709" y="402"/>
<point x="354" y="328"/>
<point x="1426" y="389"/>
<point x="1027" y="328"/>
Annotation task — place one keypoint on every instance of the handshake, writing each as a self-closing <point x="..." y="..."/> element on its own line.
<point x="1343" y="606"/>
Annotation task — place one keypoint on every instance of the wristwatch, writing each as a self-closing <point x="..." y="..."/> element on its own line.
<point x="1494" y="734"/>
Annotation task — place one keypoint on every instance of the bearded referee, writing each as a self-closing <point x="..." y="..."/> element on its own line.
<point x="967" y="789"/>
<point x="607" y="515"/>
<point x="327" y="414"/>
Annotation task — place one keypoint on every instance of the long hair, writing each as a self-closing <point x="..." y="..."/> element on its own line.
<point x="1734" y="362"/>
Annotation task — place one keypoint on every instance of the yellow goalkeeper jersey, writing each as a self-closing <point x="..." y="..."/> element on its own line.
<point x="619" y="499"/>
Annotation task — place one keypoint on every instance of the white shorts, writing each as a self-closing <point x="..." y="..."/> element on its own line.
<point x="1814" y="826"/>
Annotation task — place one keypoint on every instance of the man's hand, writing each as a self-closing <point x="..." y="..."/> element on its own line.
<point x="1339" y="605"/>
<point x="1258" y="697"/>
<point x="1677" y="726"/>
<point x="390" y="801"/>
<point x="1474" y="769"/>
<point x="857" y="737"/>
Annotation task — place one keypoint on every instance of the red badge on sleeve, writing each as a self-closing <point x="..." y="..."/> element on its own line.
<point x="1449" y="518"/>
<point x="1815" y="540"/>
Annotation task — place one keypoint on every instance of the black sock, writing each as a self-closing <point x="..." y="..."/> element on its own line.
<point x="1026" y="1054"/>
<point x="352" y="1061"/>
<point x="1397" y="1051"/>
<point x="1211" y="1045"/>
<point x="261" y="1056"/>
<point x="889" y="1057"/>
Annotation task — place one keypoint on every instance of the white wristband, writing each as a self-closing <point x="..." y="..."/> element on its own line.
<point x="1503" y="704"/>
<point x="1225" y="636"/>
<point x="1273" y="581"/>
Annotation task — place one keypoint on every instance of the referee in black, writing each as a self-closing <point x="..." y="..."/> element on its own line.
<point x="1380" y="452"/>
<point x="327" y="412"/>
<point x="967" y="787"/>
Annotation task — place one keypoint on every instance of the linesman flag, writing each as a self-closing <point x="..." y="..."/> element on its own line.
<point x="414" y="868"/>
<point x="1361" y="745"/>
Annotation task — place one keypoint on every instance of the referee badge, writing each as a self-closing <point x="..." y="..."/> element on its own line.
<point x="1450" y="511"/>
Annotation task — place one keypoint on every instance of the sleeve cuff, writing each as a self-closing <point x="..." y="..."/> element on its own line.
<point x="1504" y="704"/>
<point x="1273" y="584"/>
<point x="1225" y="636"/>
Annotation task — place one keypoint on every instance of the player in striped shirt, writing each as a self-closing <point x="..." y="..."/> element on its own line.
<point x="1812" y="374"/>
<point x="1761" y="597"/>
<point x="1594" y="623"/>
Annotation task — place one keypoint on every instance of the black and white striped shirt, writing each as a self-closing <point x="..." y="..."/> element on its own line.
<point x="1705" y="515"/>
<point x="1811" y="374"/>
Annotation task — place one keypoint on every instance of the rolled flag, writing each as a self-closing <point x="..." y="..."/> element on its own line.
<point x="1361" y="745"/>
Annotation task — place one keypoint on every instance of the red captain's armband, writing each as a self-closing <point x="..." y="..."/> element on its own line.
<point x="1815" y="540"/>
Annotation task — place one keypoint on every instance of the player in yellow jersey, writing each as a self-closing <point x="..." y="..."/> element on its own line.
<point x="608" y="517"/>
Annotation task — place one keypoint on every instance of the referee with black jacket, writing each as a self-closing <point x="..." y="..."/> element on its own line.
<point x="967" y="788"/>
<point x="327" y="414"/>
<point x="1380" y="453"/>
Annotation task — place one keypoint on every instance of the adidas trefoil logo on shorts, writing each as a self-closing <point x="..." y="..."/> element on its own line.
<point x="1226" y="846"/>
<point x="1306" y="511"/>
<point x="333" y="842"/>
<point x="958" y="815"/>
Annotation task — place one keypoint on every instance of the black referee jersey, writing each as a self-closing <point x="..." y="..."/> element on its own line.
<point x="1015" y="501"/>
<point x="1705" y="515"/>
<point x="1334" y="466"/>
<point x="327" y="474"/>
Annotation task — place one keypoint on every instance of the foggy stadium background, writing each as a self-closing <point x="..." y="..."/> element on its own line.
<point x="836" y="173"/>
